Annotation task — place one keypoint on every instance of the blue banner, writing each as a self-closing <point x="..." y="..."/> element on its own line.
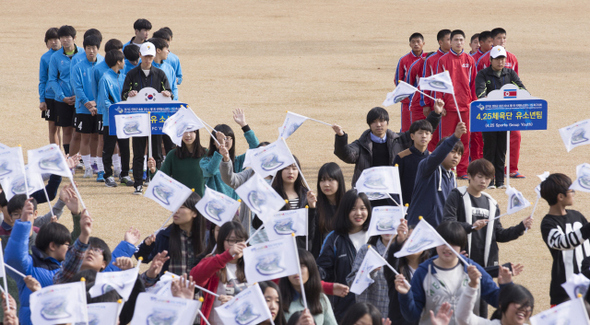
<point x="159" y="113"/>
<point x="508" y="114"/>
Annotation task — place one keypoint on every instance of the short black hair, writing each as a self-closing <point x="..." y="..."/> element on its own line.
<point x="442" y="33"/>
<point x="160" y="33"/>
<point x="457" y="147"/>
<point x="95" y="32"/>
<point x="457" y="32"/>
<point x="51" y="33"/>
<point x="416" y="35"/>
<point x="421" y="125"/>
<point x="481" y="166"/>
<point x="114" y="56"/>
<point x="17" y="202"/>
<point x="142" y="24"/>
<point x="168" y="30"/>
<point x="159" y="43"/>
<point x="66" y="30"/>
<point x="377" y="113"/>
<point x="113" y="44"/>
<point x="474" y="36"/>
<point x="484" y="35"/>
<point x="91" y="40"/>
<point x="131" y="53"/>
<point x="554" y="185"/>
<point x="453" y="233"/>
<point x="95" y="242"/>
<point x="52" y="232"/>
<point x="496" y="31"/>
<point x="358" y="311"/>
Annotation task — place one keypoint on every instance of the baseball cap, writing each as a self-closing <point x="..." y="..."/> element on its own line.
<point x="148" y="48"/>
<point x="497" y="51"/>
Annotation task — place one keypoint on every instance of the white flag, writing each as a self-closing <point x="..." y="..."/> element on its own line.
<point x="287" y="222"/>
<point x="184" y="120"/>
<point x="271" y="260"/>
<point x="575" y="135"/>
<point x="575" y="285"/>
<point x="15" y="184"/>
<point x="153" y="309"/>
<point x="543" y="177"/>
<point x="516" y="201"/>
<point x="363" y="279"/>
<point x="103" y="313"/>
<point x="423" y="237"/>
<point x="10" y="162"/>
<point x="217" y="207"/>
<point x="59" y="304"/>
<point x="384" y="179"/>
<point x="292" y="123"/>
<point x="582" y="182"/>
<point x="268" y="160"/>
<point x="48" y="160"/>
<point x="133" y="125"/>
<point x="385" y="220"/>
<point x="248" y="307"/>
<point x="4" y="147"/>
<point x="401" y="92"/>
<point x="260" y="197"/>
<point x="163" y="288"/>
<point x="167" y="191"/>
<point x="122" y="281"/>
<point x="439" y="82"/>
<point x="569" y="312"/>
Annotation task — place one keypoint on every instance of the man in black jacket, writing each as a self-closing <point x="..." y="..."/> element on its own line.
<point x="492" y="78"/>
<point x="145" y="75"/>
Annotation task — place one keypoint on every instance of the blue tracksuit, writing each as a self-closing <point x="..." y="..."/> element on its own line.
<point x="170" y="74"/>
<point x="81" y="56"/>
<point x="97" y="71"/>
<point x="129" y="66"/>
<point x="175" y="63"/>
<point x="109" y="93"/>
<point x="81" y="79"/>
<point x="59" y="74"/>
<point x="44" y="90"/>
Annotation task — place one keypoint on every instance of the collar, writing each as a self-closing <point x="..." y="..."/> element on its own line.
<point x="377" y="139"/>
<point x="415" y="150"/>
<point x="6" y="226"/>
<point x="441" y="51"/>
<point x="456" y="54"/>
<point x="480" y="51"/>
<point x="417" y="56"/>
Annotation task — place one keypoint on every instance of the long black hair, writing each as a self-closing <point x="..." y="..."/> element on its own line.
<point x="300" y="188"/>
<point x="313" y="286"/>
<point x="360" y="309"/>
<point x="197" y="232"/>
<point x="513" y="293"/>
<point x="280" y="318"/>
<point x="198" y="150"/>
<point x="342" y="221"/>
<point x="329" y="171"/>
<point x="224" y="232"/>
<point x="228" y="132"/>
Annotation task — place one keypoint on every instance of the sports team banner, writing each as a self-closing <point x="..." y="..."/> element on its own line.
<point x="271" y="260"/>
<point x="440" y="82"/>
<point x="260" y="197"/>
<point x="385" y="220"/>
<point x="184" y="120"/>
<point x="383" y="180"/>
<point x="59" y="304"/>
<point x="577" y="134"/>
<point x="292" y="123"/>
<point x="363" y="279"/>
<point x="582" y="182"/>
<point x="48" y="160"/>
<point x="248" y="307"/>
<point x="122" y="281"/>
<point x="516" y="201"/>
<point x="286" y="223"/>
<point x="104" y="313"/>
<point x="15" y="184"/>
<point x="423" y="237"/>
<point x="167" y="192"/>
<point x="268" y="160"/>
<point x="569" y="312"/>
<point x="217" y="207"/>
<point x="11" y="162"/>
<point x="133" y="125"/>
<point x="577" y="284"/>
<point x="401" y="92"/>
<point x="153" y="309"/>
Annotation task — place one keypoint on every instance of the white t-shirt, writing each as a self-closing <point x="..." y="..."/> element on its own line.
<point x="451" y="278"/>
<point x="358" y="239"/>
<point x="146" y="72"/>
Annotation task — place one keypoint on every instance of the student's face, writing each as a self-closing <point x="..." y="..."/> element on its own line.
<point x="445" y="43"/>
<point x="93" y="260"/>
<point x="457" y="43"/>
<point x="379" y="127"/>
<point x="146" y="61"/>
<point x="487" y="44"/>
<point x="164" y="53"/>
<point x="290" y="174"/>
<point x="365" y="320"/>
<point x="516" y="314"/>
<point x="452" y="160"/>
<point x="479" y="182"/>
<point x="386" y="238"/>
<point x="184" y="216"/>
<point x="416" y="44"/>
<point x="329" y="186"/>
<point x="60" y="251"/>
<point x="67" y="41"/>
<point x="500" y="39"/>
<point x="294" y="279"/>
<point x="272" y="300"/>
<point x="474" y="45"/>
<point x="189" y="137"/>
<point x="141" y="35"/>
<point x="358" y="215"/>
<point x="91" y="52"/>
<point x="16" y="216"/>
<point x="121" y="64"/>
<point x="231" y="240"/>
<point x="568" y="198"/>
<point x="446" y="254"/>
<point x="498" y="63"/>
<point x="421" y="138"/>
<point x="53" y="44"/>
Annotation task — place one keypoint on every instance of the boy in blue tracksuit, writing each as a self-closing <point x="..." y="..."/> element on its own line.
<point x="132" y="59"/>
<point x="435" y="179"/>
<point x="81" y="56"/>
<point x="166" y="34"/>
<point x="59" y="81"/>
<point x="46" y="94"/>
<point x="160" y="62"/>
<point x="100" y="68"/>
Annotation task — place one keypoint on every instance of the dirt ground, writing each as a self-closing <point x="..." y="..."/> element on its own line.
<point x="329" y="60"/>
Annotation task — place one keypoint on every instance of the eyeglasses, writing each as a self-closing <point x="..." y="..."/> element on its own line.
<point x="96" y="250"/>
<point x="525" y="309"/>
<point x="570" y="191"/>
<point x="233" y="241"/>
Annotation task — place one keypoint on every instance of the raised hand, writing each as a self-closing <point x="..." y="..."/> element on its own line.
<point x="151" y="164"/>
<point x="31" y="283"/>
<point x="528" y="222"/>
<point x="443" y="316"/>
<point x="460" y="130"/>
<point x="311" y="199"/>
<point x="402" y="231"/>
<point x="439" y="105"/>
<point x="132" y="236"/>
<point x="86" y="227"/>
<point x="69" y="197"/>
<point x="124" y="263"/>
<point x="338" y="129"/>
<point x="150" y="240"/>
<point x="516" y="269"/>
<point x="400" y="284"/>
<point x="157" y="264"/>
<point x="474" y="276"/>
<point x="237" y="250"/>
<point x="240" y="117"/>
<point x="504" y="276"/>
<point x="183" y="288"/>
<point x="340" y="290"/>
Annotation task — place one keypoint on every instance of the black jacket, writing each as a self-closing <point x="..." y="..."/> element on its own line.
<point x="487" y="80"/>
<point x="136" y="80"/>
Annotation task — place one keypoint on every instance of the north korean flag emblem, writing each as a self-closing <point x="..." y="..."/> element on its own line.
<point x="509" y="93"/>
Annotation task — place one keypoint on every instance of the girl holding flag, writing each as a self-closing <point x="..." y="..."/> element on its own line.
<point x="272" y="295"/>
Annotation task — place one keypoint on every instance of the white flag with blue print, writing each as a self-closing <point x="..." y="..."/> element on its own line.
<point x="260" y="197"/>
<point x="292" y="123"/>
<point x="15" y="184"/>
<point x="271" y="260"/>
<point x="516" y="201"/>
<point x="48" y="160"/>
<point x="287" y="222"/>
<point x="11" y="162"/>
<point x="133" y="125"/>
<point x="268" y="160"/>
<point x="577" y="134"/>
<point x="582" y="182"/>
<point x="184" y="120"/>
<point x="440" y="82"/>
<point x="385" y="220"/>
<point x="383" y="180"/>
<point x="217" y="207"/>
<point x="570" y="312"/>
<point x="121" y="281"/>
<point x="153" y="309"/>
<point x="401" y="92"/>
<point x="59" y="304"/>
<point x="248" y="307"/>
<point x="363" y="278"/>
<point x="423" y="237"/>
<point x="167" y="192"/>
<point x="104" y="313"/>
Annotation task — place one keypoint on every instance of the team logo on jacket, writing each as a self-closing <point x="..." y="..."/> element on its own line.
<point x="256" y="200"/>
<point x="269" y="264"/>
<point x="465" y="65"/>
<point x="270" y="162"/>
<point x="578" y="136"/>
<point x="245" y="314"/>
<point x="131" y="128"/>
<point x="162" y="317"/>
<point x="162" y="193"/>
<point x="284" y="226"/>
<point x="214" y="209"/>
<point x="150" y="97"/>
<point x="52" y="163"/>
<point x="55" y="309"/>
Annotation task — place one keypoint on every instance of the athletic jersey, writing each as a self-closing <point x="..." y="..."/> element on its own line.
<point x="129" y="66"/>
<point x="478" y="54"/>
<point x="403" y="68"/>
<point x="109" y="92"/>
<point x="429" y="70"/>
<point x="461" y="67"/>
<point x="484" y="62"/>
<point x="174" y="61"/>
<point x="81" y="79"/>
<point x="170" y="74"/>
<point x="81" y="56"/>
<point x="59" y="73"/>
<point x="97" y="71"/>
<point x="416" y="70"/>
<point x="44" y="90"/>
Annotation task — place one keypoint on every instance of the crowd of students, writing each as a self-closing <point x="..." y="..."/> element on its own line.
<point x="433" y="287"/>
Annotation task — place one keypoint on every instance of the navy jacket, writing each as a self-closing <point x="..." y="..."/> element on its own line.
<point x="408" y="161"/>
<point x="161" y="244"/>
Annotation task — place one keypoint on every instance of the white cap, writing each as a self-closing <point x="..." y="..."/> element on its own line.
<point x="497" y="51"/>
<point x="147" y="48"/>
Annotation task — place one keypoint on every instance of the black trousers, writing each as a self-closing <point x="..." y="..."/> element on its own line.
<point x="110" y="141"/>
<point x="139" y="146"/>
<point x="494" y="150"/>
<point x="168" y="144"/>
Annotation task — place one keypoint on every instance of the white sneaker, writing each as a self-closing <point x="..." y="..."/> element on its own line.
<point x="88" y="173"/>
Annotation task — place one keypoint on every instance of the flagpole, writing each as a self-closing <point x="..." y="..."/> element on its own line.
<point x="457" y="107"/>
<point x="77" y="192"/>
<point x="207" y="291"/>
<point x="388" y="244"/>
<point x="48" y="202"/>
<point x="150" y="137"/>
<point x="532" y="213"/>
<point x="14" y="270"/>
<point x="165" y="222"/>
<point x="303" y="297"/>
<point x="507" y="169"/>
<point x="394" y="201"/>
<point x="22" y="163"/>
<point x="446" y="244"/>
<point x="418" y="90"/>
<point x="306" y="227"/>
<point x="213" y="250"/>
<point x="296" y="164"/>
<point x="254" y="234"/>
<point x="211" y="134"/>
<point x="389" y="265"/>
<point x="321" y="122"/>
<point x="203" y="317"/>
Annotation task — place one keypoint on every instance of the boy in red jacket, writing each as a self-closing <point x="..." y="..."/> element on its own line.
<point x="402" y="71"/>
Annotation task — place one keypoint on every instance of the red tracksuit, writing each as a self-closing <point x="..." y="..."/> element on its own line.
<point x="461" y="68"/>
<point x="430" y="69"/>
<point x="401" y="73"/>
<point x="416" y="70"/>
<point x="476" y="140"/>
<point x="515" y="137"/>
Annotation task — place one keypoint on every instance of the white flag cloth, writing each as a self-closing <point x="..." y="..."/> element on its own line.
<point x="271" y="260"/>
<point x="292" y="123"/>
<point x="569" y="312"/>
<point x="582" y="182"/>
<point x="543" y="177"/>
<point x="363" y="279"/>
<point x="422" y="238"/>
<point x="516" y="201"/>
<point x="153" y="309"/>
<point x="59" y="304"/>
<point x="122" y="281"/>
<point x="248" y="307"/>
<point x="48" y="160"/>
<point x="384" y="179"/>
<point x="268" y="160"/>
<point x="103" y="313"/>
<point x="260" y="197"/>
<point x="15" y="184"/>
<point x="132" y="125"/>
<point x="385" y="220"/>
<point x="401" y="92"/>
<point x="217" y="207"/>
<point x="440" y="82"/>
<point x="576" y="284"/>
<point x="10" y="162"/>
<point x="184" y="120"/>
<point x="284" y="223"/>
<point x="577" y="134"/>
<point x="4" y="147"/>
<point x="167" y="191"/>
<point x="163" y="288"/>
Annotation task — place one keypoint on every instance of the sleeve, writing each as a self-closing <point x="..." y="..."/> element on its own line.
<point x="43" y="77"/>
<point x="516" y="79"/>
<point x="452" y="210"/>
<point x="103" y="96"/>
<point x="51" y="189"/>
<point x="480" y="85"/>
<point x="210" y="165"/>
<point x="434" y="119"/>
<point x="398" y="75"/>
<point x="94" y="82"/>
<point x="233" y="180"/>
<point x="250" y="137"/>
<point x="146" y="252"/>
<point x="17" y="248"/>
<point x="358" y="260"/>
<point x="328" y="287"/>
<point x="147" y="281"/>
<point x="555" y="238"/>
<point x="52" y="79"/>
<point x="489" y="290"/>
<point x="464" y="310"/>
<point x="203" y="271"/>
<point x="327" y="259"/>
<point x="57" y="210"/>
<point x="329" y="317"/>
<point x="78" y="85"/>
<point x="412" y="303"/>
<point x="178" y="70"/>
<point x="72" y="263"/>
<point x="349" y="153"/>
<point x="76" y="230"/>
<point x="504" y="235"/>
<point x="431" y="163"/>
<point x="124" y="249"/>
<point x="127" y="87"/>
<point x="164" y="83"/>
